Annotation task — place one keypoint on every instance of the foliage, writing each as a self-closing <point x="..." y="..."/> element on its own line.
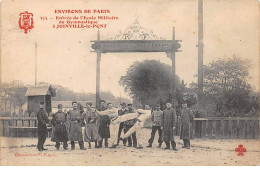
<point x="226" y="84"/>
<point x="149" y="82"/>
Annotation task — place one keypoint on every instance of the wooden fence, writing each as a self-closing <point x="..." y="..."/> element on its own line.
<point x="211" y="127"/>
<point x="224" y="128"/>
<point x="19" y="126"/>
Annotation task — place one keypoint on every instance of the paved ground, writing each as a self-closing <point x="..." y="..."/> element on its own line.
<point x="22" y="151"/>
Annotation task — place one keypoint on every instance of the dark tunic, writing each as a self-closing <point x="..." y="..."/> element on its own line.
<point x="168" y="122"/>
<point x="59" y="127"/>
<point x="186" y="123"/>
<point x="104" y="130"/>
<point x="102" y="108"/>
<point x="91" y="128"/>
<point x="75" y="119"/>
<point x="43" y="119"/>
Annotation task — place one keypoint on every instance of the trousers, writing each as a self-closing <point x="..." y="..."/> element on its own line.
<point x="81" y="144"/>
<point x="132" y="141"/>
<point x="186" y="142"/>
<point x="114" y="126"/>
<point x="121" y="127"/>
<point x="168" y="144"/>
<point x="136" y="128"/>
<point x="154" y="129"/>
<point x="105" y="140"/>
<point x="65" y="144"/>
<point x="42" y="134"/>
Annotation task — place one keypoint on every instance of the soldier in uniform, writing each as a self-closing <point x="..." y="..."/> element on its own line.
<point x="75" y="132"/>
<point x="132" y="141"/>
<point x="168" y="126"/>
<point x="91" y="129"/>
<point x="186" y="123"/>
<point x="59" y="130"/>
<point x="156" y="118"/>
<point x="43" y="120"/>
<point x="121" y="112"/>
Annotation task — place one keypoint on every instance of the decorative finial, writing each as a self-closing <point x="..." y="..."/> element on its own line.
<point x="136" y="32"/>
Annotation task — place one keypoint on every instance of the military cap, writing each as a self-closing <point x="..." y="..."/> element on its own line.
<point x="123" y="104"/>
<point x="59" y="106"/>
<point x="129" y="104"/>
<point x="102" y="101"/>
<point x="74" y="102"/>
<point x="109" y="103"/>
<point x="89" y="103"/>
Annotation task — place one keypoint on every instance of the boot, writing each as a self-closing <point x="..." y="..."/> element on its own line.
<point x="81" y="145"/>
<point x="149" y="146"/>
<point x="106" y="143"/>
<point x="174" y="146"/>
<point x="167" y="145"/>
<point x="188" y="144"/>
<point x="100" y="144"/>
<point x="113" y="146"/>
<point x="72" y="145"/>
<point x="96" y="145"/>
<point x="184" y="143"/>
<point x="89" y="145"/>
<point x="160" y="145"/>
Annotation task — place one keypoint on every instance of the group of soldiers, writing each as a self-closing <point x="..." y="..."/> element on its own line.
<point x="125" y="123"/>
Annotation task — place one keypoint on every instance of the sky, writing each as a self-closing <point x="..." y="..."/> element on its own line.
<point x="65" y="56"/>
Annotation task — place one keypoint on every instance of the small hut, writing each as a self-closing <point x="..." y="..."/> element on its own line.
<point x="39" y="94"/>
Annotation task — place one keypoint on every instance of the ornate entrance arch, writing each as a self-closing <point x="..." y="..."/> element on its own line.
<point x="136" y="39"/>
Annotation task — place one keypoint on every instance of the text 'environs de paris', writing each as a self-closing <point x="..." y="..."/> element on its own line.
<point x="98" y="11"/>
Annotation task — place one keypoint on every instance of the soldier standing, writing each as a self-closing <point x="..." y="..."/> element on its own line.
<point x="121" y="112"/>
<point x="75" y="131"/>
<point x="59" y="130"/>
<point x="43" y="120"/>
<point x="186" y="123"/>
<point x="91" y="129"/>
<point x="156" y="118"/>
<point x="168" y="126"/>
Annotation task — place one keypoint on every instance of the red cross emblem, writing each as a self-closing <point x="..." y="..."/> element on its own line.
<point x="26" y="21"/>
<point x="240" y="149"/>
